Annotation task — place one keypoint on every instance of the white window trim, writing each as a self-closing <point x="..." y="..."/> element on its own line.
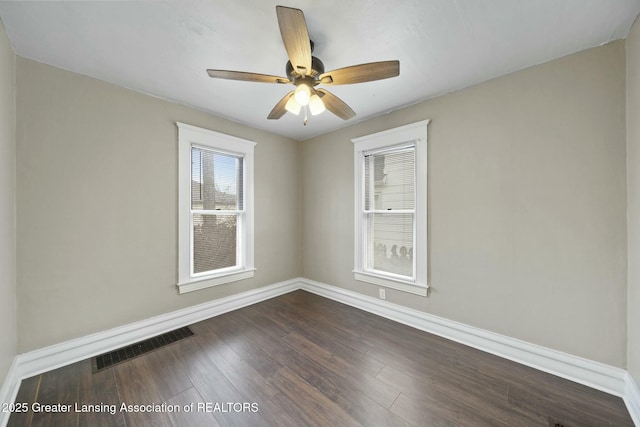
<point x="189" y="136"/>
<point x="416" y="133"/>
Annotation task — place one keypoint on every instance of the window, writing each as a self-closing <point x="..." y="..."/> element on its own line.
<point x="215" y="217"/>
<point x="391" y="208"/>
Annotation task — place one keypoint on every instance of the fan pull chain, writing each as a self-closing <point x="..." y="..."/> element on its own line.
<point x="306" y="111"/>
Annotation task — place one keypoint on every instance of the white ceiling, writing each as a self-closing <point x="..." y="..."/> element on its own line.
<point x="163" y="47"/>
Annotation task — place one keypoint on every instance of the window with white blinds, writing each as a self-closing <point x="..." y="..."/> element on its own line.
<point x="215" y="208"/>
<point x="390" y="208"/>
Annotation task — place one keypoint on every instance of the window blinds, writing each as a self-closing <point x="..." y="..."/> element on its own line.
<point x="389" y="210"/>
<point x="216" y="208"/>
<point x="216" y="180"/>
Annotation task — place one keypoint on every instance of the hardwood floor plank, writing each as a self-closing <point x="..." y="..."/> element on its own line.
<point x="137" y="387"/>
<point x="550" y="391"/>
<point x="195" y="417"/>
<point x="447" y="412"/>
<point x="336" y="341"/>
<point x="263" y="317"/>
<point x="569" y="410"/>
<point x="60" y="389"/>
<point x="213" y="385"/>
<point x="371" y="329"/>
<point x="411" y="385"/>
<point x="340" y="391"/>
<point x="27" y="394"/>
<point x="303" y="318"/>
<point x="168" y="372"/>
<point x="311" y="407"/>
<point x="245" y="341"/>
<point x="415" y="364"/>
<point x="474" y="393"/>
<point x="368" y="385"/>
<point x="421" y="413"/>
<point x="99" y="400"/>
<point x="241" y="374"/>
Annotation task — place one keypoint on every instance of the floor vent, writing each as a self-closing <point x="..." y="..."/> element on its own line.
<point x="123" y="354"/>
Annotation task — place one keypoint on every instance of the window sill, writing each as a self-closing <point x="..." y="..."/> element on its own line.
<point x="400" y="285"/>
<point x="195" y="285"/>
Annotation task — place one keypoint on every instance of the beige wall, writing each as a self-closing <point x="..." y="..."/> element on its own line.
<point x="527" y="205"/>
<point x="633" y="199"/>
<point x="97" y="206"/>
<point x="8" y="339"/>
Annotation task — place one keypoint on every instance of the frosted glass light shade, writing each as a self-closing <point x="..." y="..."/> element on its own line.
<point x="302" y="94"/>
<point x="316" y="106"/>
<point x="292" y="106"/>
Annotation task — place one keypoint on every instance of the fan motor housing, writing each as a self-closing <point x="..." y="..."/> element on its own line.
<point x="317" y="68"/>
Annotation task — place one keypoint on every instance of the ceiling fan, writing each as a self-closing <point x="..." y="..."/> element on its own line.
<point x="306" y="72"/>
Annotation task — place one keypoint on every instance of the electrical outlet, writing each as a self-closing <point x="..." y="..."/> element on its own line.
<point x="383" y="293"/>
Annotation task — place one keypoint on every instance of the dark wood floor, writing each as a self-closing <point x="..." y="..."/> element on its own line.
<point x="302" y="360"/>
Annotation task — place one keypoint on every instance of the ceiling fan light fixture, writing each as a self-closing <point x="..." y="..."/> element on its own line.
<point x="302" y="94"/>
<point x="316" y="106"/>
<point x="305" y="72"/>
<point x="292" y="106"/>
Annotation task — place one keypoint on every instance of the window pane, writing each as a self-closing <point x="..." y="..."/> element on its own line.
<point x="390" y="243"/>
<point x="214" y="242"/>
<point x="216" y="180"/>
<point x="389" y="179"/>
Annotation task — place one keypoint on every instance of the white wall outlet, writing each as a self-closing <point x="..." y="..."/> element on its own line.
<point x="383" y="293"/>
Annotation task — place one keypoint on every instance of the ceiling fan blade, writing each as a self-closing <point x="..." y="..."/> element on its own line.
<point x="279" y="110"/>
<point x="247" y="77"/>
<point x="293" y="29"/>
<point x="361" y="73"/>
<point x="336" y="105"/>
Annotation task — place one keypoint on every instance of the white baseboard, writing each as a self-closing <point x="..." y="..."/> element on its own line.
<point x="593" y="374"/>
<point x="632" y="399"/>
<point x="597" y="375"/>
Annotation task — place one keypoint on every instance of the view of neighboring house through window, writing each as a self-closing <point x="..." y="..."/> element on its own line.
<point x="391" y="208"/>
<point x="215" y="208"/>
